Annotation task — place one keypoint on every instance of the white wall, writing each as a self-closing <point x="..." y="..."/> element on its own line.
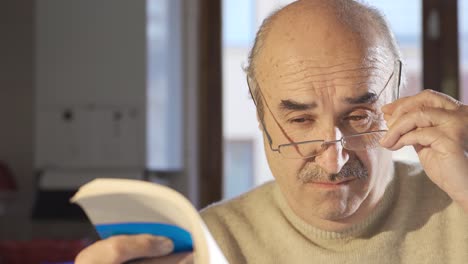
<point x="91" y="61"/>
<point x="88" y="55"/>
<point x="91" y="51"/>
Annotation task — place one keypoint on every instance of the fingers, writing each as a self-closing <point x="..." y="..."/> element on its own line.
<point x="445" y="131"/>
<point x="419" y="112"/>
<point x="179" y="258"/>
<point x="419" y="138"/>
<point x="421" y="101"/>
<point x="118" y="249"/>
<point x="418" y="121"/>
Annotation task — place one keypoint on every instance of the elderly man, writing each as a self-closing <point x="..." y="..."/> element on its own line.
<point x="325" y="77"/>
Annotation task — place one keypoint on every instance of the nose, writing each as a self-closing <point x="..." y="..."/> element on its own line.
<point x="334" y="156"/>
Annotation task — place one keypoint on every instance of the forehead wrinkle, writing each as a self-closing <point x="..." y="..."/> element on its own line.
<point x="370" y="76"/>
<point x="317" y="79"/>
<point x="292" y="64"/>
<point x="311" y="73"/>
<point x="366" y="79"/>
<point x="367" y="62"/>
<point x="307" y="71"/>
<point x="373" y="58"/>
<point x="294" y="60"/>
<point x="325" y="86"/>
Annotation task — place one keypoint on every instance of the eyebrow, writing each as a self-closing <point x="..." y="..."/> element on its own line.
<point x="366" y="98"/>
<point x="286" y="105"/>
<point x="291" y="105"/>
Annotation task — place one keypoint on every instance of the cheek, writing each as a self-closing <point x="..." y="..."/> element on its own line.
<point x="375" y="160"/>
<point x="283" y="170"/>
<point x="368" y="159"/>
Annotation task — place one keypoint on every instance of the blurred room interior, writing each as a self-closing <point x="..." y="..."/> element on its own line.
<point x="154" y="90"/>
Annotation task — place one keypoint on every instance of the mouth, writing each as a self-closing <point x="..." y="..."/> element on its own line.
<point x="331" y="184"/>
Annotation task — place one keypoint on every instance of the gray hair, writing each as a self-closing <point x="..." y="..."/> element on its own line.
<point x="352" y="12"/>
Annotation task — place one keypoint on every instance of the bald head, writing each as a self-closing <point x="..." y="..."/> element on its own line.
<point x="328" y="31"/>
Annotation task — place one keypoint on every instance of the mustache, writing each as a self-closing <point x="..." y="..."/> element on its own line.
<point x="313" y="172"/>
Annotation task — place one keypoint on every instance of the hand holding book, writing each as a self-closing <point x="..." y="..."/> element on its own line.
<point x="133" y="249"/>
<point x="134" y="218"/>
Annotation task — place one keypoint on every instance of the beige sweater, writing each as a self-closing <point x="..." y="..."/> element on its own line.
<point x="414" y="223"/>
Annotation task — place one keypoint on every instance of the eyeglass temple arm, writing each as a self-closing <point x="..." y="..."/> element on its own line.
<point x="270" y="141"/>
<point x="396" y="67"/>
<point x="399" y="66"/>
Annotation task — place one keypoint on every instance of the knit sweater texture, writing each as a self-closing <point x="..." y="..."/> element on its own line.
<point x="415" y="222"/>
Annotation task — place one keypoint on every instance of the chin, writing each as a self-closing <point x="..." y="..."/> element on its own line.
<point x="338" y="210"/>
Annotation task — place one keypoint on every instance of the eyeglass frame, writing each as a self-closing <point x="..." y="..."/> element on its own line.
<point x="397" y="65"/>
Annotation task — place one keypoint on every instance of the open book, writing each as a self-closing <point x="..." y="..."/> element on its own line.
<point x="121" y="206"/>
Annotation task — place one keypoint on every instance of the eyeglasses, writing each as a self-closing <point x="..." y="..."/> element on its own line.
<point x="312" y="148"/>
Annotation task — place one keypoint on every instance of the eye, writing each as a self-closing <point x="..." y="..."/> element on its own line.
<point x="357" y="117"/>
<point x="360" y="120"/>
<point x="300" y="120"/>
<point x="360" y="115"/>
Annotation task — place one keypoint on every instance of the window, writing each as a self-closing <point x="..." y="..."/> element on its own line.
<point x="164" y="91"/>
<point x="238" y="24"/>
<point x="238" y="167"/>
